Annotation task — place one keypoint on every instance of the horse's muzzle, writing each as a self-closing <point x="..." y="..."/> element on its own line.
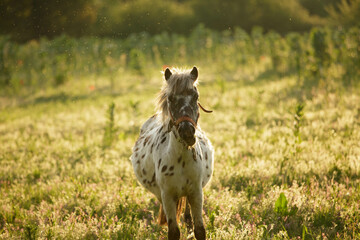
<point x="187" y="132"/>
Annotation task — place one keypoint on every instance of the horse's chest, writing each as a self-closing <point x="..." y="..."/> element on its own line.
<point x="190" y="169"/>
<point x="183" y="174"/>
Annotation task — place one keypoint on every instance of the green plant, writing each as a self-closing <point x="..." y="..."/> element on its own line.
<point x="298" y="120"/>
<point x="136" y="61"/>
<point x="110" y="129"/>
<point x="296" y="43"/>
<point x="281" y="205"/>
<point x="320" y="50"/>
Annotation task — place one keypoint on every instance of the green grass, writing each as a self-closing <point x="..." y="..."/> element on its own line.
<point x="58" y="180"/>
<point x="286" y="145"/>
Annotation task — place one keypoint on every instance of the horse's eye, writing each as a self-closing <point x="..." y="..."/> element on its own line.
<point x="171" y="98"/>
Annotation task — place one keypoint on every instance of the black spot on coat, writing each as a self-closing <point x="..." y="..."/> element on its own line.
<point x="146" y="140"/>
<point x="161" y="128"/>
<point x="194" y="154"/>
<point x="159" y="163"/>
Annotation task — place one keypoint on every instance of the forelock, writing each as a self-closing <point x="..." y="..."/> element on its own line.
<point x="179" y="82"/>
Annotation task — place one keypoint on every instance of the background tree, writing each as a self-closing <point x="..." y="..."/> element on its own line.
<point x="32" y="19"/>
<point x="29" y="19"/>
<point x="345" y="13"/>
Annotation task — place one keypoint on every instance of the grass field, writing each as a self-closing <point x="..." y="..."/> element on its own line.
<point x="287" y="156"/>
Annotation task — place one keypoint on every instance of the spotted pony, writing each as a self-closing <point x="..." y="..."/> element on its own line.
<point x="172" y="157"/>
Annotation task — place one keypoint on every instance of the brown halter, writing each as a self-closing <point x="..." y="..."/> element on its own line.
<point x="186" y="118"/>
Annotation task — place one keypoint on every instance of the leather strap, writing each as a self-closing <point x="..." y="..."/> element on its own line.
<point x="202" y="108"/>
<point x="185" y="119"/>
<point x="182" y="119"/>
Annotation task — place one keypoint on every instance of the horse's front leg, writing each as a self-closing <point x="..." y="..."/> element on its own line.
<point x="196" y="203"/>
<point x="169" y="205"/>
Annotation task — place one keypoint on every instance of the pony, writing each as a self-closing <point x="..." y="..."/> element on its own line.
<point x="173" y="158"/>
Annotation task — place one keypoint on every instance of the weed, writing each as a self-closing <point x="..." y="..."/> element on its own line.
<point x="281" y="205"/>
<point x="110" y="129"/>
<point x="298" y="121"/>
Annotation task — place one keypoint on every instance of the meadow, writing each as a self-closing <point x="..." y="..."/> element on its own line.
<point x="285" y="128"/>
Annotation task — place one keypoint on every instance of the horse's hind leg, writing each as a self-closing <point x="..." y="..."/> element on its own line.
<point x="188" y="219"/>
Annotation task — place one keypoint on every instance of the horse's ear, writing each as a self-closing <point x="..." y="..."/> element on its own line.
<point x="194" y="73"/>
<point x="167" y="74"/>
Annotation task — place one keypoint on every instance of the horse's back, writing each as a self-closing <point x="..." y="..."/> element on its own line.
<point x="150" y="124"/>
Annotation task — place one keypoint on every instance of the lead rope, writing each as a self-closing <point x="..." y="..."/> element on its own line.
<point x="202" y="108"/>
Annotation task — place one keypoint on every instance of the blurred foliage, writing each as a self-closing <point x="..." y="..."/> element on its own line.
<point x="152" y="16"/>
<point x="346" y="13"/>
<point x="318" y="7"/>
<point x="313" y="57"/>
<point x="32" y="19"/>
